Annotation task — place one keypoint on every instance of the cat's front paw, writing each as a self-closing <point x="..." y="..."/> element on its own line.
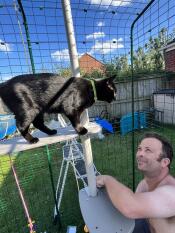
<point x="52" y="132"/>
<point x="82" y="131"/>
<point x="34" y="140"/>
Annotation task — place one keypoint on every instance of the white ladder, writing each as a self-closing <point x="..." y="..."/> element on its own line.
<point x="72" y="155"/>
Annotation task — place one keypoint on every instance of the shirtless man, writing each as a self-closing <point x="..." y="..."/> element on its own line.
<point x="153" y="203"/>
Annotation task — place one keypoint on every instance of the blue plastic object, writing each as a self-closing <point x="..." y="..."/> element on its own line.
<point x="126" y="122"/>
<point x="104" y="124"/>
<point x="7" y="125"/>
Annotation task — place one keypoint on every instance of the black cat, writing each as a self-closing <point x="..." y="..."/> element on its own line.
<point x="30" y="96"/>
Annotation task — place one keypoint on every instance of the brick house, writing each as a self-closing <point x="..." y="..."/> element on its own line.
<point x="88" y="64"/>
<point x="169" y="56"/>
<point x="168" y="52"/>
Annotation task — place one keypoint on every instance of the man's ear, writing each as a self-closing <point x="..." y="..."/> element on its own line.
<point x="165" y="162"/>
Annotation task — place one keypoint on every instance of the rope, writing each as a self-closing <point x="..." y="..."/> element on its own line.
<point x="30" y="222"/>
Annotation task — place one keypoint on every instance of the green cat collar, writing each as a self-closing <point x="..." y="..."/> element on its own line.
<point x="94" y="89"/>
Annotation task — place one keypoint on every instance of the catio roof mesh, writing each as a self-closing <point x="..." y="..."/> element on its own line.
<point x="102" y="29"/>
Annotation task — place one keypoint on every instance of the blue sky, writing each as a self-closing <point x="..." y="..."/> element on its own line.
<point x="102" y="29"/>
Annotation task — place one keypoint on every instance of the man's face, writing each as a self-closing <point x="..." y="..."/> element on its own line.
<point x="148" y="155"/>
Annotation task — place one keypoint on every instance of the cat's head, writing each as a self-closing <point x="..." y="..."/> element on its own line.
<point x="107" y="90"/>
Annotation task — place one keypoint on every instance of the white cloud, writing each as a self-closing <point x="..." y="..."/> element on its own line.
<point x="61" y="55"/>
<point x="100" y="24"/>
<point x="5" y="47"/>
<point x="107" y="3"/>
<point x="95" y="35"/>
<point x="99" y="47"/>
<point x="107" y="46"/>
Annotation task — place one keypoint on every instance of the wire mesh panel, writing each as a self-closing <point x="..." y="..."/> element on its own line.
<point x="37" y="27"/>
<point x="153" y="36"/>
<point x="33" y="40"/>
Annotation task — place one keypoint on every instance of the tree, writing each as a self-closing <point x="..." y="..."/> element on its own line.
<point x="95" y="74"/>
<point x="65" y="73"/>
<point x="155" y="57"/>
<point x="140" y="60"/>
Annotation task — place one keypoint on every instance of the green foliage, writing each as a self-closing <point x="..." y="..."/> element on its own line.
<point x="146" y="59"/>
<point x="119" y="67"/>
<point x="149" y="57"/>
<point x="65" y="72"/>
<point x="110" y="69"/>
<point x="95" y="74"/>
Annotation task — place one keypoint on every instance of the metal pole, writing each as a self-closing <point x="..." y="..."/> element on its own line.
<point x="53" y="188"/>
<point x="27" y="35"/>
<point x="132" y="97"/>
<point x="76" y="72"/>
<point x="132" y="87"/>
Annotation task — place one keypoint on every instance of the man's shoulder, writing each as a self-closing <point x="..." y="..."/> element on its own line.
<point x="167" y="189"/>
<point x="171" y="180"/>
<point x="142" y="186"/>
<point x="168" y="181"/>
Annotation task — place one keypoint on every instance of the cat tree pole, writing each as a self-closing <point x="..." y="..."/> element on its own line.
<point x="76" y="72"/>
<point x="98" y="212"/>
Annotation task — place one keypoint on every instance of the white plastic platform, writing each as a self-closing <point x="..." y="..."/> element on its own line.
<point x="18" y="144"/>
<point x="101" y="216"/>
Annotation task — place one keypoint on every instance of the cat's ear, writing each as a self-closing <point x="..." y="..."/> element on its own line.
<point x="111" y="79"/>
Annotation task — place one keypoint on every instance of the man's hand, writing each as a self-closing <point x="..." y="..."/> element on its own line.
<point x="100" y="181"/>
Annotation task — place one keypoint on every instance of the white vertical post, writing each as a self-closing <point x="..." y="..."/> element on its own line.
<point x="89" y="165"/>
<point x="76" y="72"/>
<point x="71" y="38"/>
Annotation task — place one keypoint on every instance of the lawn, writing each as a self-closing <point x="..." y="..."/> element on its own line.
<point x="112" y="155"/>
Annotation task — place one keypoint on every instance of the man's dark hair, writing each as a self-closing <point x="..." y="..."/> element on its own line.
<point x="167" y="150"/>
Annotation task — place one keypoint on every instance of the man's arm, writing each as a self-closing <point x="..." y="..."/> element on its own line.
<point x="159" y="203"/>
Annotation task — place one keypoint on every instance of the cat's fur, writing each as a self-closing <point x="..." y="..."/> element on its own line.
<point x="30" y="96"/>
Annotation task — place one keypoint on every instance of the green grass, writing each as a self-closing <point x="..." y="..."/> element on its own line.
<point x="112" y="155"/>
